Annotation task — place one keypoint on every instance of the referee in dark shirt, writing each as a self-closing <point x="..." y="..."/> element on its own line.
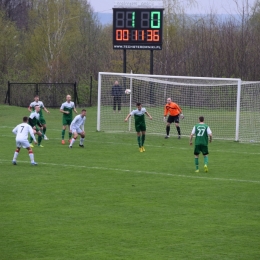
<point x="117" y="92"/>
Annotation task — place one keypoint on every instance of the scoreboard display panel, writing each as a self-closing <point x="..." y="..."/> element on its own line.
<point x="137" y="28"/>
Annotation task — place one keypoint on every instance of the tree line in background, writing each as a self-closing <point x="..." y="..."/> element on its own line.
<point x="63" y="41"/>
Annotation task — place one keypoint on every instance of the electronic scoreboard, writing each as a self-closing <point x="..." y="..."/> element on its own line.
<point x="137" y="28"/>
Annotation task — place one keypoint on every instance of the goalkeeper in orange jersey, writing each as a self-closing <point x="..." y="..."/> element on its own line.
<point x="174" y="111"/>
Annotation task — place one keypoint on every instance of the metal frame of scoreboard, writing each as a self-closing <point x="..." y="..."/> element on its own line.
<point x="138" y="28"/>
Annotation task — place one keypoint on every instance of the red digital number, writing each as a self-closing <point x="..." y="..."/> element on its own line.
<point x="134" y="36"/>
<point x="156" y="36"/>
<point x="122" y="35"/>
<point x="125" y="35"/>
<point x="138" y="35"/>
<point x="119" y="35"/>
<point x="149" y="35"/>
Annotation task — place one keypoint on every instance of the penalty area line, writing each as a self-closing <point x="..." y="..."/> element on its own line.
<point x="174" y="175"/>
<point x="51" y="164"/>
<point x="154" y="146"/>
<point x="141" y="172"/>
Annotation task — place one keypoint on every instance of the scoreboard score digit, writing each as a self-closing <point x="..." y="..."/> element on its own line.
<point x="137" y="28"/>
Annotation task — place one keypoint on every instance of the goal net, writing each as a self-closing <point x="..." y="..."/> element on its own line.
<point x="230" y="106"/>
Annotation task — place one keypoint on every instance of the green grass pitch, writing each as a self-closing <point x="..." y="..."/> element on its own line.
<point x="109" y="201"/>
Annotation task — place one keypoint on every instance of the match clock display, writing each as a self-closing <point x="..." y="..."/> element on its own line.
<point x="137" y="28"/>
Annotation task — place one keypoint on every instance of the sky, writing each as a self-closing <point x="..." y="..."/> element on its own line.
<point x="203" y="6"/>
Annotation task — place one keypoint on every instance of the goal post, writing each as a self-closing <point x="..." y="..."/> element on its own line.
<point x="238" y="109"/>
<point x="226" y="103"/>
<point x="130" y="102"/>
<point x="99" y="101"/>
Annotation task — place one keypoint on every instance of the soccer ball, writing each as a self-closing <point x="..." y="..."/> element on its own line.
<point x="128" y="91"/>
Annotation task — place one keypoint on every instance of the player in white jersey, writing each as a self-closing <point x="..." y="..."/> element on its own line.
<point x="21" y="131"/>
<point x="77" y="128"/>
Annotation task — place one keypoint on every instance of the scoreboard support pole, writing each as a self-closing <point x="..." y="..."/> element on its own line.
<point x="151" y="83"/>
<point x="124" y="67"/>
<point x="151" y="62"/>
<point x="124" y="60"/>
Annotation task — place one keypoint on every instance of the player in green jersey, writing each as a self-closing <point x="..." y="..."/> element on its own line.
<point x="202" y="133"/>
<point x="140" y="125"/>
<point x="34" y="122"/>
<point x="31" y="108"/>
<point x="67" y="108"/>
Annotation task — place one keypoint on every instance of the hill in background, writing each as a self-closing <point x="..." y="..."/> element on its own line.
<point x="105" y="18"/>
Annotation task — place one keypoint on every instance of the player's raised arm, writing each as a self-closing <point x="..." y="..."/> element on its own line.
<point x="126" y="119"/>
<point x="148" y="115"/>
<point x="46" y="110"/>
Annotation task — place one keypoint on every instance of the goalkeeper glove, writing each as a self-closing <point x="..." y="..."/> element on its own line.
<point x="182" y="116"/>
<point x="164" y="119"/>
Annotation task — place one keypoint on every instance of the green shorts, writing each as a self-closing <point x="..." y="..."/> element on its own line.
<point x="66" y="121"/>
<point x="37" y="129"/>
<point x="140" y="127"/>
<point x="42" y="121"/>
<point x="201" y="148"/>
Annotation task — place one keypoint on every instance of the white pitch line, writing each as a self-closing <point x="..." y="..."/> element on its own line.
<point x="125" y="132"/>
<point x="141" y="172"/>
<point x="154" y="146"/>
<point x="49" y="129"/>
<point x="53" y="164"/>
<point x="175" y="175"/>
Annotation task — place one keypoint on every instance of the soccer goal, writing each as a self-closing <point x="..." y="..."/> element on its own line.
<point x="231" y="107"/>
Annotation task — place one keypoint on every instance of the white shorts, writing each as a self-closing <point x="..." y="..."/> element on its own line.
<point x="22" y="143"/>
<point x="76" y="130"/>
